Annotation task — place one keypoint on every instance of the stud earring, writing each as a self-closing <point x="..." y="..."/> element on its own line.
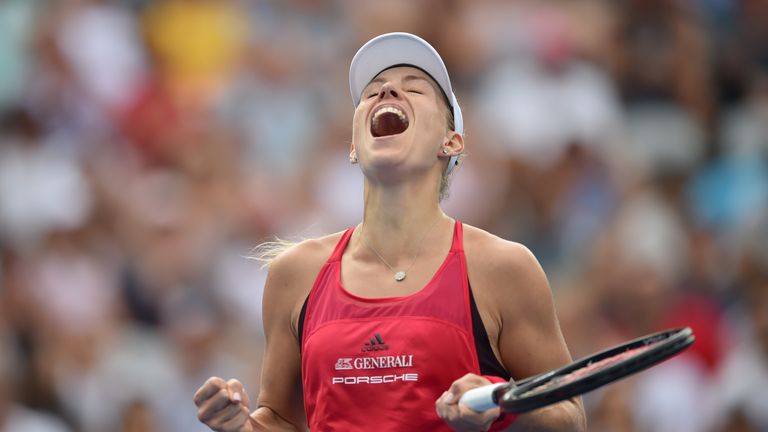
<point x="445" y="151"/>
<point x="353" y="157"/>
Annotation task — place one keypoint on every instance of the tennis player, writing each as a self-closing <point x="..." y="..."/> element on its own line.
<point x="385" y="325"/>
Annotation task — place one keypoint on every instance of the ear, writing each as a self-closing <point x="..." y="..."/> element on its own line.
<point x="452" y="145"/>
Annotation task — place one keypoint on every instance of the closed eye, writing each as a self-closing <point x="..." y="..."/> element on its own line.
<point x="415" y="91"/>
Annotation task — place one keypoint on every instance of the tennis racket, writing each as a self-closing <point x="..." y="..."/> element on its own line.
<point x="580" y="376"/>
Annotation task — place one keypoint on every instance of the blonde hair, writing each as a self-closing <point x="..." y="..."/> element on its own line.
<point x="445" y="180"/>
<point x="267" y="252"/>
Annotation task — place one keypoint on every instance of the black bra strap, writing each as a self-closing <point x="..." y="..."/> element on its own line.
<point x="489" y="364"/>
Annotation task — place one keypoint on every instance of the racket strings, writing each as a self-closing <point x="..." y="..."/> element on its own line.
<point x="594" y="371"/>
<point x="589" y="369"/>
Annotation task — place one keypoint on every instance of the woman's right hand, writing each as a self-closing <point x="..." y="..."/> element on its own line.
<point x="224" y="406"/>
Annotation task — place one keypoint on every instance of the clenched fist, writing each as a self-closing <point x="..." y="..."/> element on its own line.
<point x="224" y="406"/>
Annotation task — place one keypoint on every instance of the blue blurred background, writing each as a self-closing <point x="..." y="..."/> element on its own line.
<point x="147" y="146"/>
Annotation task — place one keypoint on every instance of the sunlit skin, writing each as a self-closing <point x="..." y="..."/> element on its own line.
<point x="402" y="171"/>
<point x="404" y="223"/>
<point x="416" y="152"/>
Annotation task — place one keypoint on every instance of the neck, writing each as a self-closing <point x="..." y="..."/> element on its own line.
<point x="399" y="219"/>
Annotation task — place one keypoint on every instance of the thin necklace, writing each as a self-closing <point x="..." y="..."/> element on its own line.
<point x="401" y="274"/>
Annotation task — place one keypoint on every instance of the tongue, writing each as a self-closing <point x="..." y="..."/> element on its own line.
<point x="388" y="124"/>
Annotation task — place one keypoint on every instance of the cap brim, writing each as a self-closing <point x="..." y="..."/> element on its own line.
<point x="393" y="49"/>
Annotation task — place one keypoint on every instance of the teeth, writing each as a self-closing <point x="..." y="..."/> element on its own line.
<point x="390" y="109"/>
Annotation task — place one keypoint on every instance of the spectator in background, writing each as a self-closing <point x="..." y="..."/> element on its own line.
<point x="139" y="418"/>
<point x="540" y="98"/>
<point x="100" y="41"/>
<point x="196" y="45"/>
<point x="18" y="19"/>
<point x="665" y="57"/>
<point x="147" y="146"/>
<point x="42" y="187"/>
<point x="555" y="118"/>
<point x="14" y="417"/>
<point x="664" y="73"/>
<point x="278" y="137"/>
<point x="744" y="373"/>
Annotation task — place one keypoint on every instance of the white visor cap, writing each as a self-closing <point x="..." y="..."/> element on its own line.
<point x="393" y="49"/>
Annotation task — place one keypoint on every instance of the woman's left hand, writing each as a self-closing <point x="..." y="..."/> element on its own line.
<point x="461" y="417"/>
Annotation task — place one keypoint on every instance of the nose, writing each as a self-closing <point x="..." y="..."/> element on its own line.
<point x="387" y="90"/>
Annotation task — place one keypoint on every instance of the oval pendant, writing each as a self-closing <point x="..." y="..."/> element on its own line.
<point x="399" y="276"/>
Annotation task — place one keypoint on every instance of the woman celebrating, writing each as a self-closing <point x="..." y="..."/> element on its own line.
<point x="385" y="325"/>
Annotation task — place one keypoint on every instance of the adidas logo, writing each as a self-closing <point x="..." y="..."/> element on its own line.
<point x="375" y="344"/>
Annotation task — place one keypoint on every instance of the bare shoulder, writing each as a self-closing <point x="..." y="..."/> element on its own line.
<point x="515" y="303"/>
<point x="293" y="272"/>
<point x="491" y="252"/>
<point x="305" y="256"/>
<point x="499" y="267"/>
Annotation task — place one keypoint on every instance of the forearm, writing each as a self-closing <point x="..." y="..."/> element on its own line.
<point x="266" y="419"/>
<point x="565" y="416"/>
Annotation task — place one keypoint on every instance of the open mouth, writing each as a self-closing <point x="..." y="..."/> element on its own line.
<point x="387" y="121"/>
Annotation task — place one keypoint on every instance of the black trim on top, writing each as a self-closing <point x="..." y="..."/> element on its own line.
<point x="489" y="364"/>
<point x="302" y="314"/>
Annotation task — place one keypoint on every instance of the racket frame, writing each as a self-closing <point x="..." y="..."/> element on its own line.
<point x="513" y="398"/>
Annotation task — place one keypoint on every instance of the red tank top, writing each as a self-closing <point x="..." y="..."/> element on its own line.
<point x="381" y="363"/>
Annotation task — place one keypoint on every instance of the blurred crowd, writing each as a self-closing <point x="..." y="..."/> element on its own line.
<point x="146" y="146"/>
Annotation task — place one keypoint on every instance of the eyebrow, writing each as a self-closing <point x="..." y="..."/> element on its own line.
<point x="405" y="79"/>
<point x="435" y="86"/>
<point x="416" y="77"/>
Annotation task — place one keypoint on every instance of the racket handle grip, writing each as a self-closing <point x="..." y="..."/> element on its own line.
<point x="481" y="398"/>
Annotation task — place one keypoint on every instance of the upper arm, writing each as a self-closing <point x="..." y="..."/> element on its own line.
<point x="289" y="281"/>
<point x="515" y="302"/>
<point x="530" y="340"/>
<point x="519" y="309"/>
